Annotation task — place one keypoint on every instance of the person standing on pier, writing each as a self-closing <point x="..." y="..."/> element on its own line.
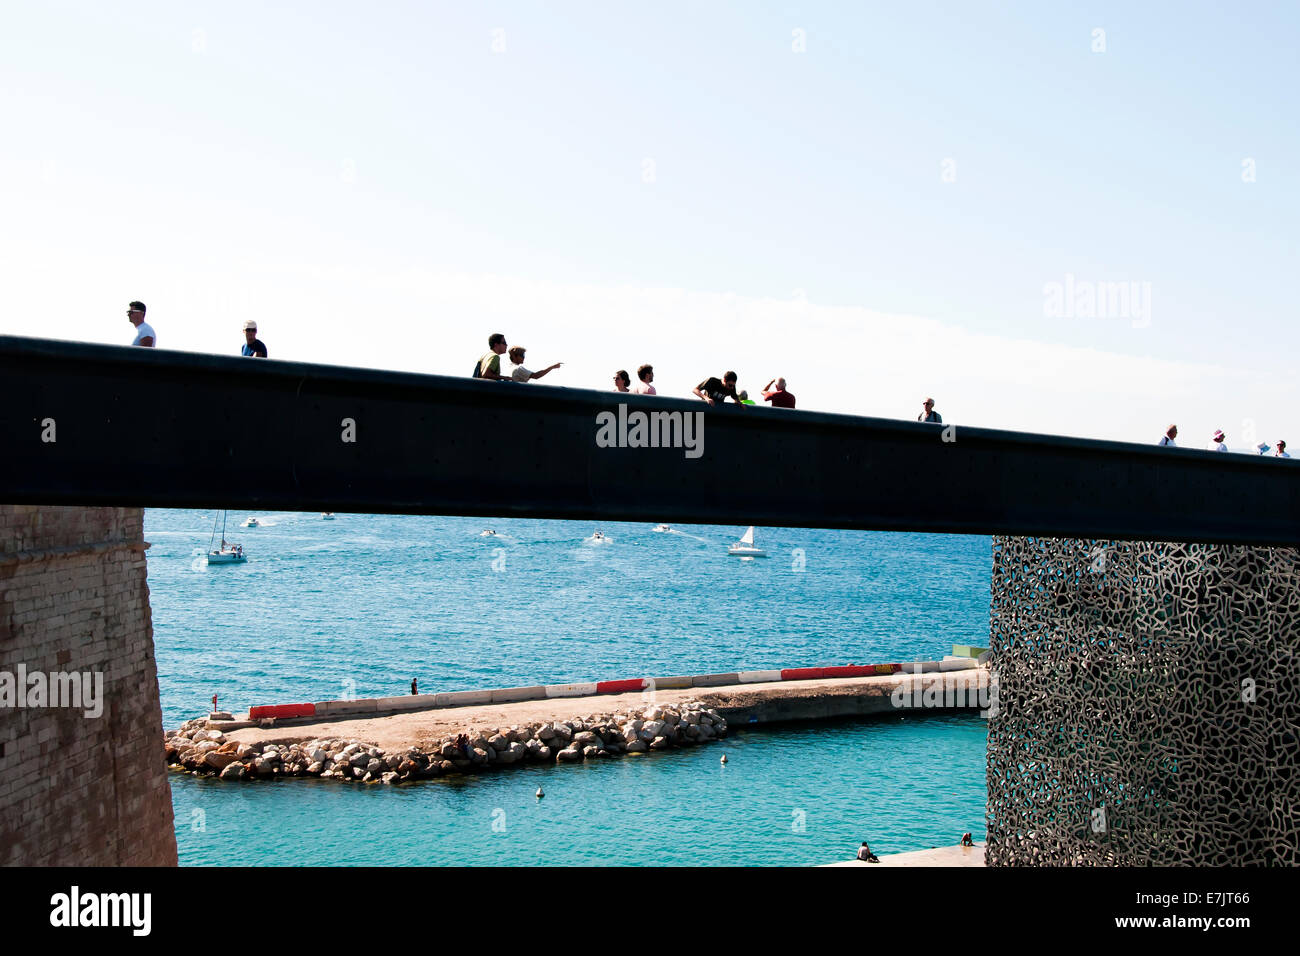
<point x="144" y="333"/>
<point x="253" y="346"/>
<point x="1281" y="450"/>
<point x="621" y="381"/>
<point x="1217" y="443"/>
<point x="1170" y="434"/>
<point x="928" y="414"/>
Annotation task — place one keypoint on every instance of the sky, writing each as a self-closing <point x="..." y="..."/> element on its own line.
<point x="880" y="202"/>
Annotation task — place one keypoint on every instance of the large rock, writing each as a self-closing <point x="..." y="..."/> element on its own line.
<point x="316" y="768"/>
<point x="584" y="738"/>
<point x="544" y="752"/>
<point x="218" y="760"/>
<point x="498" y="742"/>
<point x="637" y="747"/>
<point x="233" y="771"/>
<point x="374" y="766"/>
<point x="319" y="756"/>
<point x="568" y="755"/>
<point x="660" y="743"/>
<point x="545" y="733"/>
<point x="390" y="777"/>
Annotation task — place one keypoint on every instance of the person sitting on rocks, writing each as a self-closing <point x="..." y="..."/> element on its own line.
<point x="866" y="856"/>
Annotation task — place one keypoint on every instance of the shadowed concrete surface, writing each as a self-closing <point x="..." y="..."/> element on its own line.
<point x="938" y="856"/>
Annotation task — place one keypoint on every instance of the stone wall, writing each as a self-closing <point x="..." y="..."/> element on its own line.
<point x="1148" y="705"/>
<point x="76" y="788"/>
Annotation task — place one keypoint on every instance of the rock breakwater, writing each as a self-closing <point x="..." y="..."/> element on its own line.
<point x="205" y="752"/>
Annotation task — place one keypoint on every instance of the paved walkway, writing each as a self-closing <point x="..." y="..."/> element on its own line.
<point x="938" y="856"/>
<point x="780" y="700"/>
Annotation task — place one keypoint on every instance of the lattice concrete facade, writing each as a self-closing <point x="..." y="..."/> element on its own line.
<point x="1148" y="704"/>
<point x="79" y="789"/>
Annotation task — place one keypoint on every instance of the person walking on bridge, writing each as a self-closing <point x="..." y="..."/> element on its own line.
<point x="144" y="333"/>
<point x="928" y="414"/>
<point x="779" y="397"/>
<point x="715" y="391"/>
<point x="521" y="374"/>
<point x="489" y="366"/>
<point x="253" y="346"/>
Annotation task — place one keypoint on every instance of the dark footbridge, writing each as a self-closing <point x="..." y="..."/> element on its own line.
<point x="1145" y="609"/>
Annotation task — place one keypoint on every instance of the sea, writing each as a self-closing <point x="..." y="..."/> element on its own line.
<point x="360" y="605"/>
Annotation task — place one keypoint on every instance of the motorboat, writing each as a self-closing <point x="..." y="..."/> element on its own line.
<point x="487" y="533"/>
<point x="327" y="516"/>
<point x="744" y="548"/>
<point x="227" y="553"/>
<point x="663" y="528"/>
<point x="251" y="522"/>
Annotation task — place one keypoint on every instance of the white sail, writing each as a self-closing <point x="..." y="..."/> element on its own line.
<point x="748" y="537"/>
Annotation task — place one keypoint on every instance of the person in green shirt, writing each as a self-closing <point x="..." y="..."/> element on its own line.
<point x="489" y="366"/>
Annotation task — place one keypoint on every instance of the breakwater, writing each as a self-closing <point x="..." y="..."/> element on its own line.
<point x="200" y="750"/>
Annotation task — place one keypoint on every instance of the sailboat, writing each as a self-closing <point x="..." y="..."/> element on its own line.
<point x="744" y="548"/>
<point x="227" y="553"/>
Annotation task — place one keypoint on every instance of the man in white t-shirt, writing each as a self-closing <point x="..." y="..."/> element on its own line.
<point x="1281" y="450"/>
<point x="521" y="374"/>
<point x="1216" y="443"/>
<point x="144" y="334"/>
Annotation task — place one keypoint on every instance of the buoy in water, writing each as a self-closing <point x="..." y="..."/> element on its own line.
<point x="539" y="793"/>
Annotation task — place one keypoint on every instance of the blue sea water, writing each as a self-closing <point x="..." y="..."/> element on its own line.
<point x="362" y="604"/>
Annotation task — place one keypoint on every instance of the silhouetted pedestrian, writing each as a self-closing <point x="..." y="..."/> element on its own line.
<point x="253" y="346"/>
<point x="714" y="390"/>
<point x="779" y="397"/>
<point x="489" y="366"/>
<point x="144" y="333"/>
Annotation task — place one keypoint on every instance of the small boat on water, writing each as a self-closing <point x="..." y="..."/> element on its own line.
<point x="327" y="516"/>
<point x="251" y="522"/>
<point x="227" y="553"/>
<point x="663" y="528"/>
<point x="487" y="533"/>
<point x="745" y="548"/>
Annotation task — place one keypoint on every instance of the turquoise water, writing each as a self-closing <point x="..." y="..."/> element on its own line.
<point x="364" y="603"/>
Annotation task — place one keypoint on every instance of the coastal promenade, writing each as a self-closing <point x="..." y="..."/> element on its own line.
<point x="935" y="856"/>
<point x="741" y="704"/>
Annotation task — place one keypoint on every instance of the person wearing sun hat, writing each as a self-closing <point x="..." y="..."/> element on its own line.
<point x="253" y="346"/>
<point x="1217" y="443"/>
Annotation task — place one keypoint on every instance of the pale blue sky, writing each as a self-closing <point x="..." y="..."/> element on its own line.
<point x="366" y="181"/>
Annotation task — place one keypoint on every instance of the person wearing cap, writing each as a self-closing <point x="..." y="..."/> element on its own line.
<point x="1170" y="434"/>
<point x="1217" y="443"/>
<point x="521" y="374"/>
<point x="1281" y="450"/>
<point x="253" y="346"/>
<point x="779" y="397"/>
<point x="144" y="334"/>
<point x="929" y="414"/>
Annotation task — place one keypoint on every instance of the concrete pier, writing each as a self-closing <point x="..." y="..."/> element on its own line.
<point x="936" y="856"/>
<point x="741" y="704"/>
